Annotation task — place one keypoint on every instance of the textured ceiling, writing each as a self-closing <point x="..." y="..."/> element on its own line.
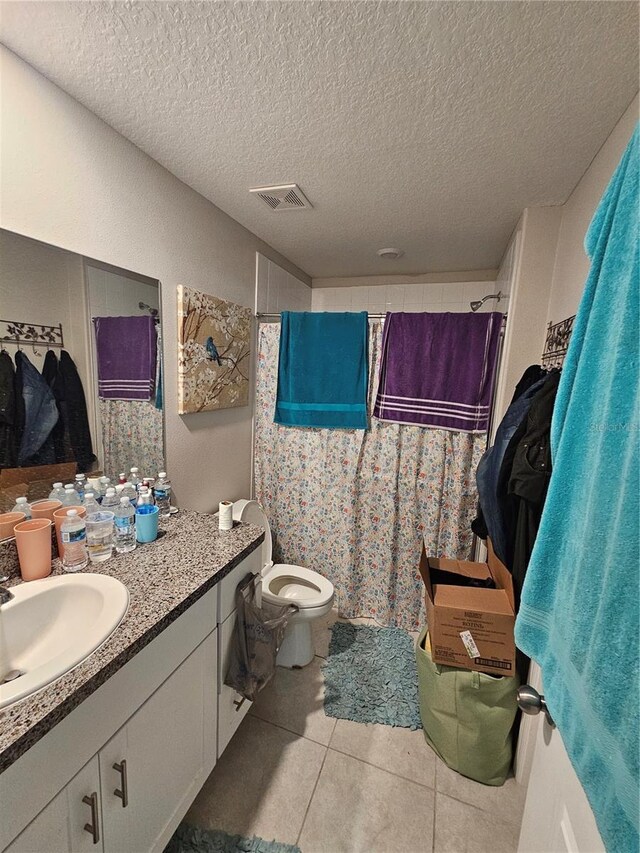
<point x="427" y="126"/>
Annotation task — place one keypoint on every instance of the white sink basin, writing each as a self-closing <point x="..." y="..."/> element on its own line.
<point x="52" y="625"/>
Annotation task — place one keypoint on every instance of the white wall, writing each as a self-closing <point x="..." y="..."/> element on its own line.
<point x="278" y="290"/>
<point x="70" y="180"/>
<point x="113" y="294"/>
<point x="571" y="263"/>
<point x="378" y="299"/>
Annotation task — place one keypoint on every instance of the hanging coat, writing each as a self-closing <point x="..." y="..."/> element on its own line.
<point x="40" y="415"/>
<point x="60" y="434"/>
<point x="76" y="419"/>
<point x="8" y="457"/>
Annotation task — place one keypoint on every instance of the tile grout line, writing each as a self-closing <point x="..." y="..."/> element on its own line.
<point x="434" y="789"/>
<point x="313" y="793"/>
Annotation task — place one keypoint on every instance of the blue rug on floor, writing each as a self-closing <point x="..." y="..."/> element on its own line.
<point x="192" y="839"/>
<point x="370" y="676"/>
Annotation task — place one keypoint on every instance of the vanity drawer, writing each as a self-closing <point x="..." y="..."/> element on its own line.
<point x="227" y="586"/>
<point x="232" y="707"/>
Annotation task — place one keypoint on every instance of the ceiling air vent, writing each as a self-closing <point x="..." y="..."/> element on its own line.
<point x="283" y="197"/>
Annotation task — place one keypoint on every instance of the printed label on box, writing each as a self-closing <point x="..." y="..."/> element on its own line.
<point x="470" y="644"/>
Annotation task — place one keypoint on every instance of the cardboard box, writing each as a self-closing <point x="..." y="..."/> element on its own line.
<point x="482" y="618"/>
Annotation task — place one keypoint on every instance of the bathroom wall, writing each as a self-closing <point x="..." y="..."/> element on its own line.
<point x="571" y="265"/>
<point x="70" y="180"/>
<point x="417" y="296"/>
<point x="278" y="290"/>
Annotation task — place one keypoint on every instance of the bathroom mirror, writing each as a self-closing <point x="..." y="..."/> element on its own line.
<point x="80" y="369"/>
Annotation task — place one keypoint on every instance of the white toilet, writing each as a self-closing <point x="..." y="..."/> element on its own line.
<point x="284" y="584"/>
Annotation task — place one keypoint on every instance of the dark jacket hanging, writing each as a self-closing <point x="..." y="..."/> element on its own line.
<point x="529" y="480"/>
<point x="8" y="451"/>
<point x="40" y="415"/>
<point x="490" y="520"/>
<point x="60" y="434"/>
<point x="77" y="422"/>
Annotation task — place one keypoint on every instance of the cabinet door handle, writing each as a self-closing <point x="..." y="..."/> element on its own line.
<point x="123" y="790"/>
<point x="92" y="828"/>
<point x="239" y="703"/>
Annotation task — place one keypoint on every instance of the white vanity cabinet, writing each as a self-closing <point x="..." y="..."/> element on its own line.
<point x="119" y="772"/>
<point x="70" y="822"/>
<point x="232" y="707"/>
<point x="152" y="768"/>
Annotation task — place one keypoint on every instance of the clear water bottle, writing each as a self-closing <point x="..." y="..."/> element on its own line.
<point x="80" y="486"/>
<point x="70" y="497"/>
<point x="110" y="501"/>
<point x="57" y="493"/>
<point x="105" y="483"/>
<point x="90" y="503"/>
<point x="122" y="479"/>
<point x="74" y="538"/>
<point x="129" y="491"/>
<point x="125" y="527"/>
<point x="145" y="498"/>
<point x="162" y="490"/>
<point x="22" y="505"/>
<point x="134" y="479"/>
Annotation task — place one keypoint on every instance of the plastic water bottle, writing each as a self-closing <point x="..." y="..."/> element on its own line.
<point x="125" y="527"/>
<point x="162" y="491"/>
<point x="110" y="501"/>
<point x="129" y="491"/>
<point x="57" y="492"/>
<point x="105" y="483"/>
<point x="70" y="497"/>
<point x="90" y="503"/>
<point x="145" y="498"/>
<point x="134" y="479"/>
<point x="22" y="506"/>
<point x="80" y="486"/>
<point x="74" y="539"/>
<point x="122" y="479"/>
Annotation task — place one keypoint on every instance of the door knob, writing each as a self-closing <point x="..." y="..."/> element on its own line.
<point x="531" y="702"/>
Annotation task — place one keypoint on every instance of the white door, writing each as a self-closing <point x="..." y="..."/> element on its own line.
<point x="557" y="816"/>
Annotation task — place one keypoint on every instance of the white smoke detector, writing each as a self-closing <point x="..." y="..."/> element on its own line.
<point x="283" y="197"/>
<point x="390" y="254"/>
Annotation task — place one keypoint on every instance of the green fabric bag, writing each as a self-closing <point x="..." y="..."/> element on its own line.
<point x="467" y="717"/>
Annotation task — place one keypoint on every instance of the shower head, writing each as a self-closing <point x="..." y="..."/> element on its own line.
<point x="480" y="302"/>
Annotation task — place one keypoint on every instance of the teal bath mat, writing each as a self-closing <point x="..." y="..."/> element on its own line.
<point x="370" y="676"/>
<point x="192" y="839"/>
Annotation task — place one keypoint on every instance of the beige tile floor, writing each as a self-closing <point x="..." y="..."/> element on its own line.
<point x="334" y="786"/>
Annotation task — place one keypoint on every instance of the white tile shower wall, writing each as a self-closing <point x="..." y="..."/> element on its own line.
<point x="452" y="296"/>
<point x="277" y="290"/>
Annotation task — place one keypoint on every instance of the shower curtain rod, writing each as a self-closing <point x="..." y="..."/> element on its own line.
<point x="372" y="316"/>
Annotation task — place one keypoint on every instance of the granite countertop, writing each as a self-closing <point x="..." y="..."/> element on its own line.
<point x="164" y="578"/>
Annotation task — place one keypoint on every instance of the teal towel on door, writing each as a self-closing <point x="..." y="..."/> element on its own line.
<point x="579" y="611"/>
<point x="323" y="372"/>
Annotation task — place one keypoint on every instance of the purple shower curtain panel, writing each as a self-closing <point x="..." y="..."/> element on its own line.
<point x="356" y="505"/>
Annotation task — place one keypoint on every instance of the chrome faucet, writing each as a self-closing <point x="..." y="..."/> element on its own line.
<point x="5" y="595"/>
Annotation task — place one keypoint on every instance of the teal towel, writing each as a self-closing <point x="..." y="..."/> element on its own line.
<point x="579" y="611"/>
<point x="323" y="372"/>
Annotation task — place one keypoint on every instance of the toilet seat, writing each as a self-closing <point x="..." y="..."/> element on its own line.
<point x="283" y="583"/>
<point x="295" y="585"/>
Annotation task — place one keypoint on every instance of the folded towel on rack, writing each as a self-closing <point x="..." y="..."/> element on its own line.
<point x="437" y="370"/>
<point x="323" y="370"/>
<point x="580" y="605"/>
<point x="126" y="353"/>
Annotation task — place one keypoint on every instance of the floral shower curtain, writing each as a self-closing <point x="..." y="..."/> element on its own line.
<point x="355" y="505"/>
<point x="132" y="434"/>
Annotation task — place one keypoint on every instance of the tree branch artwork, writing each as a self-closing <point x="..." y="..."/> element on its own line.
<point x="213" y="352"/>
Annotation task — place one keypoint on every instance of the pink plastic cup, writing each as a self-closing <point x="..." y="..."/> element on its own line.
<point x="33" y="539"/>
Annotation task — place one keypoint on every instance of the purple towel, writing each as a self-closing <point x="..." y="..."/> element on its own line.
<point x="126" y="351"/>
<point x="437" y="370"/>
